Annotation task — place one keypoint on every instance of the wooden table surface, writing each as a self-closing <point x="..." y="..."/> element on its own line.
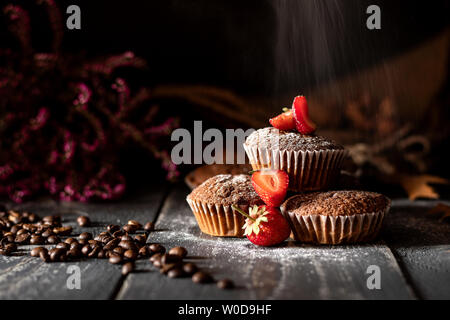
<point x="413" y="254"/>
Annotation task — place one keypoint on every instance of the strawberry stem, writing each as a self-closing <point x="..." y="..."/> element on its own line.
<point x="242" y="212"/>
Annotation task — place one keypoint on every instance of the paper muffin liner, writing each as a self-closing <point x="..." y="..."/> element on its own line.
<point x="320" y="229"/>
<point x="307" y="170"/>
<point x="218" y="220"/>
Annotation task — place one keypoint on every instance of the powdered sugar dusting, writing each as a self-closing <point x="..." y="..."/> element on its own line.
<point x="273" y="138"/>
<point x="336" y="203"/>
<point x="226" y="189"/>
<point x="268" y="271"/>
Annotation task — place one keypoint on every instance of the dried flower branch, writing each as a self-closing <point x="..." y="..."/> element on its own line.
<point x="63" y="121"/>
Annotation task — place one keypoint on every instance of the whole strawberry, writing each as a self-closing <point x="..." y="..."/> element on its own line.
<point x="265" y="226"/>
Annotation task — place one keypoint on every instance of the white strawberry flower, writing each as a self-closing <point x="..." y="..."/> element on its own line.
<point x="257" y="216"/>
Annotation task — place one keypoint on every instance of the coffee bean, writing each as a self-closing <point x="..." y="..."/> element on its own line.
<point x="178" y="251"/>
<point x="5" y="251"/>
<point x="47" y="233"/>
<point x="225" y="284"/>
<point x="128" y="245"/>
<point x="143" y="252"/>
<point x="149" y="226"/>
<point x="112" y="244"/>
<point x="135" y="223"/>
<point x="112" y="228"/>
<point x="85" y="236"/>
<point x="70" y="240"/>
<point x="115" y="259"/>
<point x="119" y="250"/>
<point x="14" y="217"/>
<point x="86" y="250"/>
<point x="37" y="239"/>
<point x="52" y="219"/>
<point x="63" y="231"/>
<point x="190" y="268"/>
<point x="118" y="233"/>
<point x="155" y="257"/>
<point x="8" y="237"/>
<point x="140" y="239"/>
<point x="157" y="248"/>
<point x="129" y="228"/>
<point x="94" y="252"/>
<point x="15" y="228"/>
<point x="75" y="245"/>
<point x="170" y="258"/>
<point x="156" y="260"/>
<point x="74" y="253"/>
<point x="22" y="231"/>
<point x="157" y="263"/>
<point x="56" y="254"/>
<point x="37" y="251"/>
<point x="11" y="246"/>
<point x="167" y="267"/>
<point x="29" y="227"/>
<point x="44" y="255"/>
<point x="130" y="255"/>
<point x="127" y="268"/>
<point x="83" y="242"/>
<point x="101" y="254"/>
<point x="83" y="221"/>
<point x="63" y="245"/>
<point x="50" y="224"/>
<point x="126" y="237"/>
<point x="176" y="273"/>
<point x="53" y="239"/>
<point x="4" y="240"/>
<point x="106" y="239"/>
<point x="23" y="238"/>
<point x="201" y="277"/>
<point x="32" y="217"/>
<point x="103" y="237"/>
<point x="94" y="243"/>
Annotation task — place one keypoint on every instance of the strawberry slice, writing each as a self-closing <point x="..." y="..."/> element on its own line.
<point x="271" y="186"/>
<point x="303" y="124"/>
<point x="284" y="121"/>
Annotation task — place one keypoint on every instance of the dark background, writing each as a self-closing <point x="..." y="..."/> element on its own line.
<point x="234" y="43"/>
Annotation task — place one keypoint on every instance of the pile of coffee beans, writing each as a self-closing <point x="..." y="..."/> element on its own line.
<point x="119" y="244"/>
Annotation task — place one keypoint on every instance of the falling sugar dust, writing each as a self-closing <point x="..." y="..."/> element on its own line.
<point x="319" y="43"/>
<point x="309" y="40"/>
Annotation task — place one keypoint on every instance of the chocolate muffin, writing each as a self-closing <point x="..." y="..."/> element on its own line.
<point x="312" y="162"/>
<point x="211" y="204"/>
<point x="336" y="217"/>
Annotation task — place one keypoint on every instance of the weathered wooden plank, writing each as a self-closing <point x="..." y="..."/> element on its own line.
<point x="25" y="277"/>
<point x="422" y="244"/>
<point x="290" y="272"/>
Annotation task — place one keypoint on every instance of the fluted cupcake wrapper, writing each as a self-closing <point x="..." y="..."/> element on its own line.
<point x="320" y="229"/>
<point x="307" y="170"/>
<point x="218" y="220"/>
